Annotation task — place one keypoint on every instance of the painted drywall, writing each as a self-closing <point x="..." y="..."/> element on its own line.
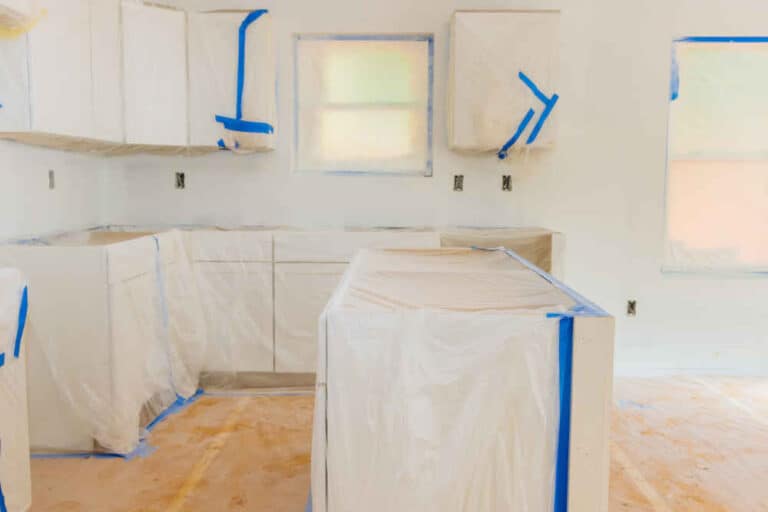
<point x="603" y="185"/>
<point x="27" y="205"/>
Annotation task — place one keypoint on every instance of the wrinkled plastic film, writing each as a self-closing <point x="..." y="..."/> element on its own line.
<point x="174" y="70"/>
<point x="402" y="344"/>
<point x="14" y="430"/>
<point x="115" y="336"/>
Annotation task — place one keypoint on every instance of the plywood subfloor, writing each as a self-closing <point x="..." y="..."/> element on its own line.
<point x="678" y="445"/>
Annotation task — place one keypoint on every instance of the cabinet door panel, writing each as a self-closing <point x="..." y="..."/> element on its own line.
<point x="237" y="300"/>
<point x="60" y="69"/>
<point x="155" y="74"/>
<point x="301" y="292"/>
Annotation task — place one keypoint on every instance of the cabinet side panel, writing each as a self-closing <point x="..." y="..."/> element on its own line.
<point x="590" y="414"/>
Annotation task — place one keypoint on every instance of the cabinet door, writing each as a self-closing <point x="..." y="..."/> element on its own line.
<point x="301" y="292"/>
<point x="60" y="69"/>
<point x="213" y="71"/>
<point x="14" y="85"/>
<point x="237" y="301"/>
<point x="106" y="47"/>
<point x="155" y="75"/>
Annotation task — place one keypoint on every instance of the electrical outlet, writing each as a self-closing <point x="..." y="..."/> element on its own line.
<point x="506" y="183"/>
<point x="458" y="182"/>
<point x="181" y="181"/>
<point x="631" y="308"/>
<point x="51" y="179"/>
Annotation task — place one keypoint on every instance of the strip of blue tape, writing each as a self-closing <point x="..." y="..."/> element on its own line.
<point x="564" y="427"/>
<point x="548" y="107"/>
<point x="239" y="125"/>
<point x="534" y="89"/>
<point x="176" y="407"/>
<point x="2" y="359"/>
<point x="3" y="507"/>
<point x="22" y="322"/>
<point x="504" y="151"/>
<point x="143" y="449"/>
<point x="674" y="85"/>
<point x="247" y="22"/>
<point x="723" y="39"/>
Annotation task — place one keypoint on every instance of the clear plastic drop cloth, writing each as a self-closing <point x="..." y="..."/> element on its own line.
<point x="437" y="385"/>
<point x="15" y="484"/>
<point x="233" y="270"/>
<point x="139" y="77"/>
<point x="115" y="335"/>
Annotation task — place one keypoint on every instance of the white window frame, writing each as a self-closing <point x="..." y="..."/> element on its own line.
<point x="670" y="265"/>
<point x="427" y="170"/>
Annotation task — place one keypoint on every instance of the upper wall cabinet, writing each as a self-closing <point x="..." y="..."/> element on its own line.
<point x="155" y="70"/>
<point x="503" y="80"/>
<point x="62" y="77"/>
<point x="232" y="80"/>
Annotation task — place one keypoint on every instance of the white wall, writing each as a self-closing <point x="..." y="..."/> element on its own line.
<point x="603" y="185"/>
<point x="29" y="207"/>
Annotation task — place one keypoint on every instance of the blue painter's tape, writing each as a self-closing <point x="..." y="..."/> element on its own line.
<point x="308" y="508"/>
<point x="221" y="144"/>
<point x="247" y="22"/>
<point x="549" y="106"/>
<point x="564" y="427"/>
<point x="22" y="322"/>
<point x="176" y="407"/>
<point x="723" y="39"/>
<point x="238" y="125"/>
<point x="504" y="151"/>
<point x="2" y="359"/>
<point x="143" y="450"/>
<point x="674" y="82"/>
<point x="3" y="507"/>
<point x="532" y="86"/>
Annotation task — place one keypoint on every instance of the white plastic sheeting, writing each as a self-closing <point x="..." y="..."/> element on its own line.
<point x="232" y="76"/>
<point x="122" y="76"/>
<point x="233" y="269"/>
<point x="15" y="485"/>
<point x="488" y="98"/>
<point x="116" y="335"/>
<point x="437" y="385"/>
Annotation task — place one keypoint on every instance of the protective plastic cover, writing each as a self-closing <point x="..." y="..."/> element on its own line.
<point x="116" y="335"/>
<point x="15" y="485"/>
<point x="504" y="65"/>
<point x="138" y="78"/>
<point x="437" y="385"/>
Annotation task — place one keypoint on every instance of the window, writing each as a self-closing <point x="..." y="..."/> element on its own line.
<point x="717" y="170"/>
<point x="364" y="104"/>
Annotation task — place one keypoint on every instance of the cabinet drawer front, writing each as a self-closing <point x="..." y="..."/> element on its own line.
<point x="301" y="292"/>
<point x="340" y="246"/>
<point x="229" y="246"/>
<point x="238" y="303"/>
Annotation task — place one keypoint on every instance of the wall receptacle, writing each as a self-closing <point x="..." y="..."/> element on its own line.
<point x="506" y="183"/>
<point x="458" y="182"/>
<point x="181" y="181"/>
<point x="631" y="308"/>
